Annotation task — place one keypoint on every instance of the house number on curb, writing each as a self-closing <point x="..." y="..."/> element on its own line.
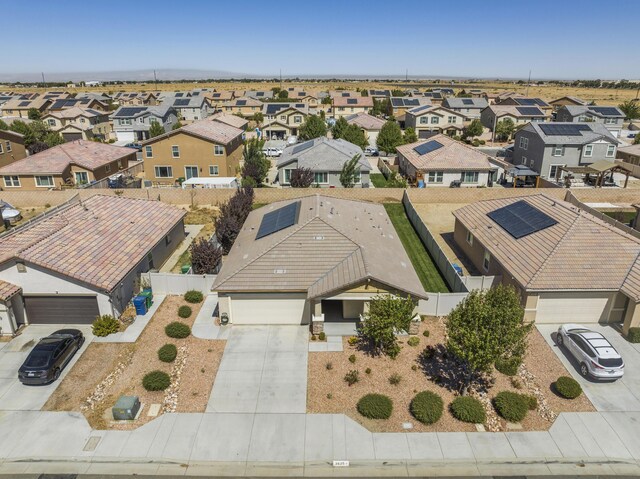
<point x="340" y="463"/>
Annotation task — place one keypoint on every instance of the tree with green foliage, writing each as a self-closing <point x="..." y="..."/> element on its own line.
<point x="381" y="107"/>
<point x="34" y="114"/>
<point x="504" y="129"/>
<point x="156" y="129"/>
<point x="387" y="315"/>
<point x="258" y="118"/>
<point x="283" y="94"/>
<point x="390" y="137"/>
<point x="363" y="91"/>
<point x="276" y="90"/>
<point x="3" y="125"/>
<point x="256" y="164"/>
<point x="485" y="327"/>
<point x="631" y="110"/>
<point x="326" y="100"/>
<point x="397" y="92"/>
<point x="313" y="127"/>
<point x="409" y="136"/>
<point x="177" y="125"/>
<point x="356" y="135"/>
<point x="349" y="172"/>
<point x="475" y="128"/>
<point x="53" y="138"/>
<point x="21" y="127"/>
<point x="339" y="127"/>
<point x="301" y="178"/>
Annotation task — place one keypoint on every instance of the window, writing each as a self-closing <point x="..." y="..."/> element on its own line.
<point x="8" y="144"/>
<point x="435" y="120"/>
<point x="82" y="178"/>
<point x="11" y="181"/>
<point x="107" y="168"/>
<point x="175" y="151"/>
<point x="524" y="142"/>
<point x="357" y="177"/>
<point x="469" y="177"/>
<point x="424" y="120"/>
<point x="532" y="164"/>
<point x="213" y="170"/>
<point x="1" y="148"/>
<point x="283" y="117"/>
<point x="611" y="151"/>
<point x="164" y="172"/>
<point x="321" y="177"/>
<point x="191" y="172"/>
<point x="610" y="121"/>
<point x="125" y="121"/>
<point x="558" y="150"/>
<point x="452" y="119"/>
<point x="588" y="151"/>
<point x="297" y="119"/>
<point x="218" y="150"/>
<point x="524" y="160"/>
<point x="436" y="176"/>
<point x="469" y="237"/>
<point x="553" y="171"/>
<point x="51" y="122"/>
<point x="486" y="261"/>
<point x="148" y="151"/>
<point x="82" y="120"/>
<point x="44" y="181"/>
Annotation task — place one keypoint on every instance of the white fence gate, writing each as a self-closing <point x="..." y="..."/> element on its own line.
<point x="171" y="283"/>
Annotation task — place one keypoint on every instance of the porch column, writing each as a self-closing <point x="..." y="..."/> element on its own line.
<point x="631" y="318"/>
<point x="317" y="317"/>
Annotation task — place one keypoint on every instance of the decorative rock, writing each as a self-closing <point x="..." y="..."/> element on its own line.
<point x="170" y="402"/>
<point x="407" y="425"/>
<point x="480" y="428"/>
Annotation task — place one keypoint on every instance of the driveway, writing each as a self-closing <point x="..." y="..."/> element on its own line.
<point x="263" y="370"/>
<point x="621" y="395"/>
<point x="14" y="396"/>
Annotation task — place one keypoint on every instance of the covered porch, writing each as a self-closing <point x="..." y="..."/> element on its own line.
<point x="598" y="174"/>
<point x="523" y="177"/>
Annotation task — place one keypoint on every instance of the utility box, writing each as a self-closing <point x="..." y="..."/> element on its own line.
<point x="126" y="408"/>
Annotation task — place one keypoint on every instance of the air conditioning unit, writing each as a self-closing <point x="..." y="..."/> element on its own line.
<point x="126" y="408"/>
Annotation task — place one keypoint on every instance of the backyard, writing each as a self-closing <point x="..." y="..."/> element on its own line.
<point x="196" y="215"/>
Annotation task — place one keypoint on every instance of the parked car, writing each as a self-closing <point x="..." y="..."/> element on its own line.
<point x="371" y="151"/>
<point x="292" y="140"/>
<point x="49" y="357"/>
<point x="597" y="357"/>
<point x="135" y="146"/>
<point x="272" y="151"/>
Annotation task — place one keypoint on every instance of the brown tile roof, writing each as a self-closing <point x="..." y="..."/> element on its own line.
<point x="97" y="241"/>
<point x="366" y="121"/>
<point x="7" y="290"/>
<point x="213" y="130"/>
<point x="21" y="104"/>
<point x="361" y="101"/>
<point x="580" y="252"/>
<point x="453" y="155"/>
<point x="75" y="112"/>
<point x="233" y="120"/>
<point x="502" y="110"/>
<point x="90" y="155"/>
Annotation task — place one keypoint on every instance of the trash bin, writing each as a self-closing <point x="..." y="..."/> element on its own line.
<point x="140" y="304"/>
<point x="185" y="269"/>
<point x="149" y="295"/>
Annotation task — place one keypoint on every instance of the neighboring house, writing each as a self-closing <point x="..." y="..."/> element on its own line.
<point x="325" y="158"/>
<point x="188" y="109"/>
<point x="610" y="116"/>
<point x="103" y="97"/>
<point x="88" y="103"/>
<point x="469" y="107"/>
<point x="440" y="161"/>
<point x="313" y="260"/>
<point x="498" y="97"/>
<point x="427" y="120"/>
<point x="258" y="94"/>
<point x="70" y="164"/>
<point x="435" y="97"/>
<point x="83" y="260"/>
<point x="216" y="99"/>
<point x="543" y="147"/>
<point x="244" y="106"/>
<point x="282" y="120"/>
<point x="136" y="99"/>
<point x="132" y="123"/>
<point x="233" y="120"/>
<point x="545" y="248"/>
<point x="20" y="108"/>
<point x="12" y="147"/>
<point x="55" y="95"/>
<point x="79" y="124"/>
<point x="370" y="125"/>
<point x="568" y="101"/>
<point x="344" y="94"/>
<point x="302" y="96"/>
<point x="400" y="104"/>
<point x="379" y="94"/>
<point x="348" y="105"/>
<point x="630" y="154"/>
<point x="520" y="115"/>
<point x="524" y="101"/>
<point x="205" y="148"/>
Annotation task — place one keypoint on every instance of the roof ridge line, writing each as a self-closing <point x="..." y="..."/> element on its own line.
<point x="626" y="276"/>
<point x="357" y="250"/>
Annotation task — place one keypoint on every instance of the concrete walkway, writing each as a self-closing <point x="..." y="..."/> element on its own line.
<point x="204" y="326"/>
<point x="131" y="334"/>
<point x="192" y="231"/>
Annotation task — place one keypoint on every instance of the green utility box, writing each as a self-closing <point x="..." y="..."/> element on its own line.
<point x="185" y="269"/>
<point x="126" y="408"/>
<point x="148" y="295"/>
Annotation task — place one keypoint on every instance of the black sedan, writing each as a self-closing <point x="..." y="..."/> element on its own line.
<point x="49" y="357"/>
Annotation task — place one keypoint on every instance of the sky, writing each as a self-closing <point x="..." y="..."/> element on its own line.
<point x="563" y="39"/>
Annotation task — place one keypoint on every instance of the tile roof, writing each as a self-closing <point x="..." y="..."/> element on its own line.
<point x="22" y="104"/>
<point x="452" y="155"/>
<point x="599" y="111"/>
<point x="513" y="110"/>
<point x="574" y="99"/>
<point x="334" y="244"/>
<point x="466" y="103"/>
<point x="97" y="241"/>
<point x="75" y="112"/>
<point x="232" y="120"/>
<point x="323" y="154"/>
<point x="366" y="121"/>
<point x="212" y="130"/>
<point x="244" y="101"/>
<point x="7" y="290"/>
<point x="86" y="154"/>
<point x="353" y="101"/>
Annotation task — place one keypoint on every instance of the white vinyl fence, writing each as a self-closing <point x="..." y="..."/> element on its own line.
<point x="440" y="304"/>
<point x="172" y="283"/>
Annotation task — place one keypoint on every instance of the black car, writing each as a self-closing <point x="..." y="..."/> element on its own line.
<point x="49" y="357"/>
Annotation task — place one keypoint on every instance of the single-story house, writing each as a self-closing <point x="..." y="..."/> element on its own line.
<point x="83" y="260"/>
<point x="370" y="125"/>
<point x="312" y="260"/>
<point x="231" y="120"/>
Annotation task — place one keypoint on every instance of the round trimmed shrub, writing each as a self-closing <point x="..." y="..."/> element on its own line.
<point x="105" y="325"/>
<point x="322" y="336"/>
<point x="426" y="407"/>
<point x="508" y="367"/>
<point x="468" y="409"/>
<point x="156" y="381"/>
<point x="532" y="401"/>
<point x="184" y="311"/>
<point x="568" y="387"/>
<point x="511" y="406"/>
<point x="167" y="353"/>
<point x="375" y="406"/>
<point x="413" y="341"/>
<point x="177" y="330"/>
<point x="193" y="296"/>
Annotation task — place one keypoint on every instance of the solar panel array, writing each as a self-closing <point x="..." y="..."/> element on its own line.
<point x="241" y="102"/>
<point x="410" y="102"/>
<point x="301" y="147"/>
<point x="346" y="94"/>
<point x="520" y="219"/>
<point x="352" y="101"/>
<point x="260" y="93"/>
<point x="529" y="110"/>
<point x="272" y="109"/>
<point x="528" y="101"/>
<point x="420" y="108"/>
<point x="130" y="111"/>
<point x="467" y="101"/>
<point x="24" y="103"/>
<point x="427" y="147"/>
<point x="299" y="105"/>
<point x="181" y="102"/>
<point x="605" y="110"/>
<point x="278" y="220"/>
<point x="564" y="130"/>
<point x="179" y="94"/>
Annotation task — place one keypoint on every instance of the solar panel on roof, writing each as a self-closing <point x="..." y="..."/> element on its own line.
<point x="427" y="147"/>
<point x="564" y="130"/>
<point x="605" y="110"/>
<point x="346" y="94"/>
<point x="24" y="103"/>
<point x="352" y="101"/>
<point x="529" y="110"/>
<point x="520" y="219"/>
<point x="278" y="220"/>
<point x="241" y="102"/>
<point x="181" y="102"/>
<point x="409" y="102"/>
<point x="301" y="147"/>
<point x="260" y="93"/>
<point x="129" y="111"/>
<point x="301" y="93"/>
<point x="397" y="102"/>
<point x="467" y="101"/>
<point x="299" y="105"/>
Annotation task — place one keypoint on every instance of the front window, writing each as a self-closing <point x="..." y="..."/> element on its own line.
<point x="283" y="117"/>
<point x="175" y="151"/>
<point x="553" y="170"/>
<point x="611" y="151"/>
<point x="11" y="181"/>
<point x="148" y="151"/>
<point x="453" y="119"/>
<point x="470" y="176"/>
<point x="213" y="170"/>
<point x="287" y="176"/>
<point x="436" y="176"/>
<point x="610" y="121"/>
<point x="470" y="237"/>
<point x="558" y="150"/>
<point x="8" y="144"/>
<point x="82" y="178"/>
<point x="321" y="177"/>
<point x="435" y="120"/>
<point x="218" y="150"/>
<point x="297" y="119"/>
<point x="424" y="120"/>
<point x="524" y="143"/>
<point x="44" y="181"/>
<point x="588" y="151"/>
<point x="486" y="261"/>
<point x="51" y="122"/>
<point x="164" y="172"/>
<point x="125" y="121"/>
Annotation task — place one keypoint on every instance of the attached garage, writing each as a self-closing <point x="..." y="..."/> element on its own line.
<point x="125" y="135"/>
<point x="61" y="309"/>
<point x="269" y="308"/>
<point x="584" y="308"/>
<point x="71" y="136"/>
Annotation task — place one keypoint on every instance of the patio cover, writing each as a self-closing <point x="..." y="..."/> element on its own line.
<point x="520" y="170"/>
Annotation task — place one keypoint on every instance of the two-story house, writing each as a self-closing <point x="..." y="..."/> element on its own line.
<point x="400" y="104"/>
<point x="431" y="119"/>
<point x="79" y="124"/>
<point x="20" y="108"/>
<point x="610" y="116"/>
<point x="243" y="105"/>
<point x="188" y="109"/>
<point x="90" y="103"/>
<point x="567" y="101"/>
<point x="136" y="98"/>
<point x="132" y="123"/>
<point x="282" y="120"/>
<point x="11" y="147"/>
<point x="348" y="105"/>
<point x="520" y="115"/>
<point x="526" y="101"/>
<point x="469" y="107"/>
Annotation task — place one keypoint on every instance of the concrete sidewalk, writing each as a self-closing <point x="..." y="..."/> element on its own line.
<point x="131" y="334"/>
<point x="204" y="326"/>
<point x="192" y="231"/>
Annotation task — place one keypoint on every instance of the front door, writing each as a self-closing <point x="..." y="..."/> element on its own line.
<point x="190" y="172"/>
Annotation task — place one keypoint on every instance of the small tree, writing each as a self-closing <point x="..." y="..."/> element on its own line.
<point x="301" y="178"/>
<point x="387" y="314"/>
<point x="21" y="127"/>
<point x="339" y="127"/>
<point x="34" y="114"/>
<point x="283" y="94"/>
<point x="390" y="137"/>
<point x="53" y="138"/>
<point x="504" y="129"/>
<point x="631" y="109"/>
<point x="486" y="326"/>
<point x="156" y="129"/>
<point x="178" y="124"/>
<point x="326" y="100"/>
<point x="349" y="170"/>
<point x="205" y="256"/>
<point x="232" y="216"/>
<point x="313" y="127"/>
<point x="256" y="165"/>
<point x="3" y="125"/>
<point x="475" y="128"/>
<point x="37" y="147"/>
<point x="410" y="136"/>
<point x="258" y="118"/>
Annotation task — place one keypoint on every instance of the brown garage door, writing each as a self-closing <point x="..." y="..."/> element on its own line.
<point x="72" y="136"/>
<point x="61" y="309"/>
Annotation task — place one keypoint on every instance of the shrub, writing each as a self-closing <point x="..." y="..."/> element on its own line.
<point x="313" y="337"/>
<point x="352" y="377"/>
<point x="322" y="336"/>
<point x="193" y="296"/>
<point x="633" y="336"/>
<point x="531" y="400"/>
<point x="395" y="379"/>
<point x="516" y="383"/>
<point x="425" y="333"/>
<point x="426" y="407"/>
<point x="105" y="325"/>
<point x="568" y="387"/>
<point x="329" y="366"/>
<point x="511" y="406"/>
<point x="367" y="371"/>
<point x="177" y="330"/>
<point x="508" y="367"/>
<point x="156" y="381"/>
<point x="468" y="409"/>
<point x="184" y="311"/>
<point x="352" y="358"/>
<point x="167" y="353"/>
<point x="353" y="340"/>
<point x="414" y="367"/>
<point x="413" y="341"/>
<point x="375" y="406"/>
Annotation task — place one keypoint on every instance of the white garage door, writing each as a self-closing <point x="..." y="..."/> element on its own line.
<point x="572" y="307"/>
<point x="125" y="135"/>
<point x="269" y="309"/>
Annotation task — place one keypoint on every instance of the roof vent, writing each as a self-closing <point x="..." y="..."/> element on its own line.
<point x="318" y="238"/>
<point x="279" y="271"/>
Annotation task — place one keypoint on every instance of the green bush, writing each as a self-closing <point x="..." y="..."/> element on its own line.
<point x="375" y="406"/>
<point x="177" y="330"/>
<point x="633" y="336"/>
<point x="322" y="336"/>
<point x="568" y="387"/>
<point x="156" y="381"/>
<point x="352" y="358"/>
<point x="105" y="325"/>
<point x="426" y="407"/>
<point x="425" y="333"/>
<point x="329" y="366"/>
<point x="468" y="409"/>
<point x="532" y="401"/>
<point x="184" y="311"/>
<point x="395" y="379"/>
<point x="367" y="371"/>
<point x="167" y="353"/>
<point x="193" y="296"/>
<point x="511" y="406"/>
<point x="352" y="377"/>
<point x="413" y="341"/>
<point x="508" y="367"/>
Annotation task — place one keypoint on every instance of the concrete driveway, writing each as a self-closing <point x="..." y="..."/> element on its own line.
<point x="263" y="370"/>
<point x="621" y="395"/>
<point x="15" y="396"/>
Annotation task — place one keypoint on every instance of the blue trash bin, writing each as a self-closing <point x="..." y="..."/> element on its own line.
<point x="140" y="303"/>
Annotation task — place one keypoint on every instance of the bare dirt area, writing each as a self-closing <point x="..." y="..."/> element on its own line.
<point x="197" y="215"/>
<point x="329" y="393"/>
<point x="193" y="373"/>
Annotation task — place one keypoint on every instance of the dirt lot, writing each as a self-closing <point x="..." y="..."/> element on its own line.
<point x="540" y="361"/>
<point x="196" y="216"/>
<point x="128" y="363"/>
